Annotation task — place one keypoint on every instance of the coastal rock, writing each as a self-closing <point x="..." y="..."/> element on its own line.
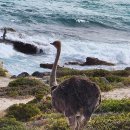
<point x="23" y="74"/>
<point x="90" y="61"/>
<point x="96" y="61"/>
<point x="13" y="77"/>
<point x="48" y="66"/>
<point x="19" y="46"/>
<point x="73" y="63"/>
<point x="127" y="68"/>
<point x="40" y="74"/>
<point x="26" y="48"/>
<point x="9" y="29"/>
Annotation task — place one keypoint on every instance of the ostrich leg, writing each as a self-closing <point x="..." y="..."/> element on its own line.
<point x="73" y="122"/>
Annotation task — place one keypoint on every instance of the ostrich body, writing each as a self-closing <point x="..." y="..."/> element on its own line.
<point x="77" y="98"/>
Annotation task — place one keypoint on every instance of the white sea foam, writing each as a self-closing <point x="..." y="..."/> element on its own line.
<point x="73" y="49"/>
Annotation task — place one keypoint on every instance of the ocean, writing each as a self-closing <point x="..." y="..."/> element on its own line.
<point x="86" y="28"/>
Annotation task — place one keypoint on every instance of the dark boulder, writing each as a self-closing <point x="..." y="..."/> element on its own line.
<point x="13" y="76"/>
<point x="48" y="66"/>
<point x="127" y="68"/>
<point x="9" y="29"/>
<point x="96" y="61"/>
<point x="26" y="48"/>
<point x="38" y="74"/>
<point x="73" y="63"/>
<point x="23" y="74"/>
<point x="23" y="47"/>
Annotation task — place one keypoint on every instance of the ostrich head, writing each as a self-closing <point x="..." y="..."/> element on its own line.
<point x="56" y="44"/>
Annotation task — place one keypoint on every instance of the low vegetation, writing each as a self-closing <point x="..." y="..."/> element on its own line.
<point x="44" y="104"/>
<point x="27" y="86"/>
<point x="110" y="122"/>
<point x="3" y="72"/>
<point x="23" y="112"/>
<point x="11" y="124"/>
<point x="114" y="106"/>
<point x="92" y="73"/>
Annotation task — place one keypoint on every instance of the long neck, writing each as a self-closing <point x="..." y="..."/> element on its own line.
<point x="53" y="81"/>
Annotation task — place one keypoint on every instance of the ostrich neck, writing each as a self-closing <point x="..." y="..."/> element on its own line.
<point x="53" y="81"/>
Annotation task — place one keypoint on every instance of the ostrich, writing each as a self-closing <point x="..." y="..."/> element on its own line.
<point x="77" y="98"/>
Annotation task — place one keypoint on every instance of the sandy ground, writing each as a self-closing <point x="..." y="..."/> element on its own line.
<point x="4" y="81"/>
<point x="7" y="102"/>
<point x="117" y="94"/>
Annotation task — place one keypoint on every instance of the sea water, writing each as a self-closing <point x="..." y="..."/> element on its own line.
<point x="86" y="28"/>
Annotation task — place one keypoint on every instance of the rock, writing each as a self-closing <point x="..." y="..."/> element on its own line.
<point x="73" y="63"/>
<point x="9" y="29"/>
<point x="48" y="66"/>
<point x="13" y="76"/>
<point x="96" y="61"/>
<point x="26" y="48"/>
<point x="23" y="74"/>
<point x="38" y="74"/>
<point x="127" y="68"/>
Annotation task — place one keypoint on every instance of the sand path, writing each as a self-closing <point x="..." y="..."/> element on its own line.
<point x="117" y="94"/>
<point x="4" y="81"/>
<point x="7" y="102"/>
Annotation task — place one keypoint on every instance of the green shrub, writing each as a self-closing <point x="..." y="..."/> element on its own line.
<point x="114" y="78"/>
<point x="56" y="122"/>
<point x="23" y="82"/>
<point x="92" y="73"/>
<point x="102" y="84"/>
<point x="23" y="112"/>
<point x="122" y="73"/>
<point x="44" y="104"/>
<point x="11" y="124"/>
<point x="126" y="81"/>
<point x="3" y="72"/>
<point x="110" y="122"/>
<point x="115" y="106"/>
<point x="27" y="86"/>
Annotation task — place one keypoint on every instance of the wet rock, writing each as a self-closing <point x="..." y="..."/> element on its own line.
<point x="23" y="74"/>
<point x="9" y="29"/>
<point x="74" y="63"/>
<point x="48" y="66"/>
<point x="127" y="68"/>
<point x="13" y="77"/>
<point x="96" y="61"/>
<point x="26" y="48"/>
<point x="40" y="74"/>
